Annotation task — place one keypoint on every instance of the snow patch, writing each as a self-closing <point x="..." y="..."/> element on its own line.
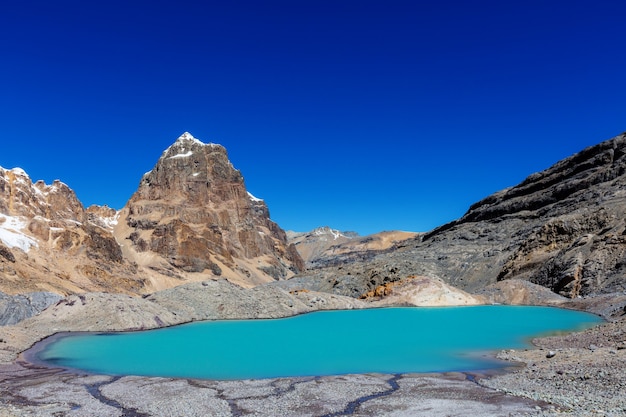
<point x="253" y="198"/>
<point x="336" y="234"/>
<point x="11" y="233"/>
<point x="19" y="171"/>
<point x="111" y="222"/>
<point x="181" y="155"/>
<point x="189" y="136"/>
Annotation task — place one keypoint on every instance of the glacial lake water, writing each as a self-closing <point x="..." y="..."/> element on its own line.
<point x="388" y="340"/>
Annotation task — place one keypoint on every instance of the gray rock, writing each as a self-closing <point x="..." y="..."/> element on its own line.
<point x="15" y="308"/>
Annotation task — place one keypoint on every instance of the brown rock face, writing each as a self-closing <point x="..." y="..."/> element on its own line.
<point x="49" y="242"/>
<point x="193" y="210"/>
<point x="191" y="219"/>
<point x="20" y="197"/>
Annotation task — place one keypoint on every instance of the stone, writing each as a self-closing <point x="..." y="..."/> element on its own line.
<point x="16" y="308"/>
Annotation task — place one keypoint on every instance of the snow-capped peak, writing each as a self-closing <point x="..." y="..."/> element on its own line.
<point x="326" y="230"/>
<point x="19" y="171"/>
<point x="188" y="136"/>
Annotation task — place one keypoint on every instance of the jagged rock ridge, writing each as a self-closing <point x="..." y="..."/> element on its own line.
<point x="191" y="219"/>
<point x="49" y="242"/>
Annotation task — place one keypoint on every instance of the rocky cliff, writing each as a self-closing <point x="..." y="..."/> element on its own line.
<point x="49" y="242"/>
<point x="563" y="228"/>
<point x="190" y="219"/>
<point x="192" y="211"/>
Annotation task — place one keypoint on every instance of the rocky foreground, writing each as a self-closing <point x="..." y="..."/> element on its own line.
<point x="580" y="374"/>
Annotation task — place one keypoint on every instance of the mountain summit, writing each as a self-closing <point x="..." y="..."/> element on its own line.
<point x="192" y="211"/>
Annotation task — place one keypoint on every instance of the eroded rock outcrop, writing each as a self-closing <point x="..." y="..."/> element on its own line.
<point x="16" y="308"/>
<point x="193" y="211"/>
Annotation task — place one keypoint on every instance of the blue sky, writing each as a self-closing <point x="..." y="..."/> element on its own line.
<point x="365" y="116"/>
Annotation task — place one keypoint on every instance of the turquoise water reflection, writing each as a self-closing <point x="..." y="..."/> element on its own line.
<point x="390" y="340"/>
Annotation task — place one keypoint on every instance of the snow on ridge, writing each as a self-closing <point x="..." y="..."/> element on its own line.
<point x="111" y="222"/>
<point x="11" y="233"/>
<point x="189" y="136"/>
<point x="253" y="198"/>
<point x="181" y="155"/>
<point x="19" y="171"/>
<point x="325" y="230"/>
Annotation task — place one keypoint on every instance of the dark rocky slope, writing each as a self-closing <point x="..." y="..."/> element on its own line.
<point x="563" y="228"/>
<point x="15" y="308"/>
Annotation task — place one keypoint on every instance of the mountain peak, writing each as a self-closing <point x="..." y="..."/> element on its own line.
<point x="193" y="211"/>
<point x="186" y="136"/>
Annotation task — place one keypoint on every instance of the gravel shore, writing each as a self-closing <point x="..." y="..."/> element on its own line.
<point x="581" y="374"/>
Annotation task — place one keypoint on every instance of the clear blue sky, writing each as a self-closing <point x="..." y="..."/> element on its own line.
<point x="361" y="115"/>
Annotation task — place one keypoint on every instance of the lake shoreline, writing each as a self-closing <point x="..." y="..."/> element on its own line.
<point x="27" y="389"/>
<point x="328" y="343"/>
<point x="363" y="394"/>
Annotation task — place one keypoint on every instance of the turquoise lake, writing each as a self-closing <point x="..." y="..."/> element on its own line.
<point x="389" y="340"/>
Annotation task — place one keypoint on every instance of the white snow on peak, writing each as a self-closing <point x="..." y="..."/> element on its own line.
<point x="189" y="136"/>
<point x="181" y="155"/>
<point x="253" y="198"/>
<point x="321" y="231"/>
<point x="11" y="233"/>
<point x="19" y="171"/>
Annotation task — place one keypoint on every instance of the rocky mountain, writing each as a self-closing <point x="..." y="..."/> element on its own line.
<point x="190" y="219"/>
<point x="324" y="246"/>
<point x="49" y="242"/>
<point x="192" y="214"/>
<point x="563" y="228"/>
